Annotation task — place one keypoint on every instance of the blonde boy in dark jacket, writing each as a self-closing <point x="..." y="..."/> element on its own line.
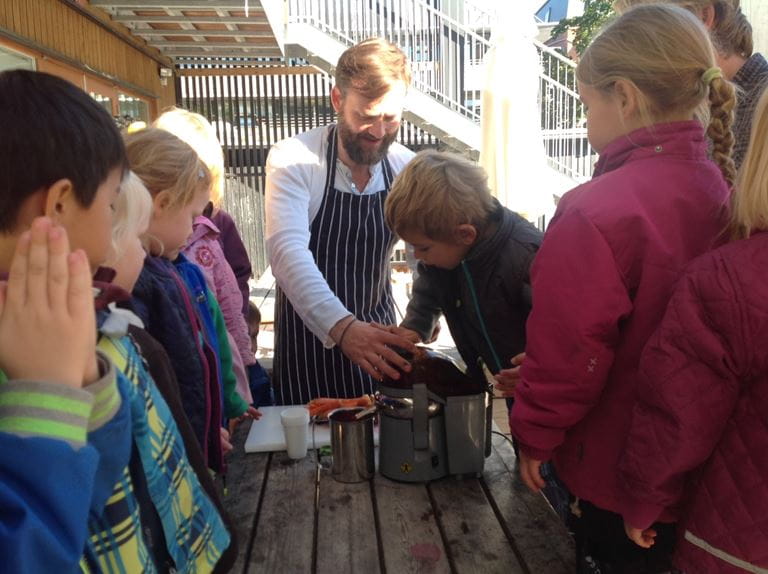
<point x="474" y="258"/>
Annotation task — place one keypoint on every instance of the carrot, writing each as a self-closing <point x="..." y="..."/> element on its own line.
<point x="320" y="407"/>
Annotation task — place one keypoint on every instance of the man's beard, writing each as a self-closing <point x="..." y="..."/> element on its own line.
<point x="356" y="152"/>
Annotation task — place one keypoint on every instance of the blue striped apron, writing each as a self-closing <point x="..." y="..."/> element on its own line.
<point x="351" y="245"/>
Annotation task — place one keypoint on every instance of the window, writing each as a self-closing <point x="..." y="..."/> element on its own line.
<point x="102" y="100"/>
<point x="132" y="109"/>
<point x="12" y="60"/>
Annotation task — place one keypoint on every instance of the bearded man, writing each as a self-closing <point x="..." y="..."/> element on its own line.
<point x="328" y="243"/>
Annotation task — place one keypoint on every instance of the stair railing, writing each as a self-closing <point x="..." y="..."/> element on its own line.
<point x="446" y="58"/>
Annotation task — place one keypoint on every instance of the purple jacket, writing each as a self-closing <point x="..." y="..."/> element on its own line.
<point x="699" y="435"/>
<point x="235" y="252"/>
<point x="601" y="281"/>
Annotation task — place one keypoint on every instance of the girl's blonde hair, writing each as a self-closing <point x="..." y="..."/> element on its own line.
<point x="731" y="32"/>
<point x="133" y="210"/>
<point x="198" y="132"/>
<point x="664" y="51"/>
<point x="750" y="197"/>
<point x="437" y="192"/>
<point x="164" y="163"/>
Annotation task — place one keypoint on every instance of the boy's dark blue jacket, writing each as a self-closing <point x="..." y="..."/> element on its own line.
<point x="494" y="277"/>
<point x="170" y="314"/>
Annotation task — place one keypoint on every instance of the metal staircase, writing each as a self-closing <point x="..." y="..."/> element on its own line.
<point x="446" y="56"/>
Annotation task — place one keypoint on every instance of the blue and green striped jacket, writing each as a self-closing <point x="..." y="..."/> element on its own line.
<point x="193" y="530"/>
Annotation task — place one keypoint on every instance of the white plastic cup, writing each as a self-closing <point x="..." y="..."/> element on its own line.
<point x="296" y="429"/>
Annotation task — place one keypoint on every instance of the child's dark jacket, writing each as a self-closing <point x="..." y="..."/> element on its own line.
<point x="162" y="302"/>
<point x="493" y="277"/>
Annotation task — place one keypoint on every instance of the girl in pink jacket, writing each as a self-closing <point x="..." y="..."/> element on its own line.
<point x="698" y="444"/>
<point x="610" y="258"/>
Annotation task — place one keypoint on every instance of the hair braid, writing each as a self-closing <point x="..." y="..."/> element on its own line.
<point x="722" y="100"/>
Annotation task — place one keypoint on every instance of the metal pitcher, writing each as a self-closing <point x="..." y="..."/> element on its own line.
<point x="351" y="445"/>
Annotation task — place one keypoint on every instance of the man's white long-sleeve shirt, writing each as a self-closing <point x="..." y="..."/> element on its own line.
<point x="296" y="178"/>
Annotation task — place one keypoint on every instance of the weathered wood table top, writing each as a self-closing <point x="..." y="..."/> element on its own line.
<point x="292" y="516"/>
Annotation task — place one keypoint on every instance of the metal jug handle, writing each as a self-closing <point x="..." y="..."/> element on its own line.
<point x="420" y="417"/>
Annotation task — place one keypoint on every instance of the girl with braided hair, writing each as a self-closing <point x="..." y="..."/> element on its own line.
<point x="609" y="262"/>
<point x="731" y="35"/>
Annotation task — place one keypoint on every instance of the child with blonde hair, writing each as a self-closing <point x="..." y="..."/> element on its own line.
<point x="204" y="246"/>
<point x="171" y="296"/>
<point x="133" y="212"/>
<point x="171" y="444"/>
<point x="697" y="449"/>
<point x="731" y="35"/>
<point x="610" y="260"/>
<point x="475" y="255"/>
<point x="198" y="132"/>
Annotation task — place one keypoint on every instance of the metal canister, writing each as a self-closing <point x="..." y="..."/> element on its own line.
<point x="352" y="445"/>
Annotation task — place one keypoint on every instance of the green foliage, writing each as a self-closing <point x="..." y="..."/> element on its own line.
<point x="596" y="13"/>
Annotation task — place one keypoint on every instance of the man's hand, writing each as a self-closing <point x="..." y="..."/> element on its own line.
<point x="643" y="538"/>
<point x="370" y="348"/>
<point x="47" y="317"/>
<point x="530" y="472"/>
<point x="507" y="379"/>
<point x="408" y="334"/>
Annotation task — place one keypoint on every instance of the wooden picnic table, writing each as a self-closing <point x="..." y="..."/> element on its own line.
<point x="293" y="517"/>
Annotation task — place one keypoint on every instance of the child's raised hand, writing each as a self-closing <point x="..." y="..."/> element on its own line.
<point x="507" y="379"/>
<point x="47" y="317"/>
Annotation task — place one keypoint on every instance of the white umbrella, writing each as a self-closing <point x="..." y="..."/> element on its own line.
<point x="512" y="149"/>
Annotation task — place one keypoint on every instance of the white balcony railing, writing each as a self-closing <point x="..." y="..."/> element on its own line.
<point x="444" y="53"/>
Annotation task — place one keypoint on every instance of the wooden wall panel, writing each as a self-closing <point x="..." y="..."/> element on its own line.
<point x="60" y="29"/>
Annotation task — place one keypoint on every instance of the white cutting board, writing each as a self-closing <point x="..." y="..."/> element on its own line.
<point x="266" y="434"/>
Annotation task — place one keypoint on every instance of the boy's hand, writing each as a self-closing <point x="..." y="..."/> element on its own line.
<point x="507" y="379"/>
<point x="435" y="334"/>
<point x="643" y="538"/>
<point x="47" y="318"/>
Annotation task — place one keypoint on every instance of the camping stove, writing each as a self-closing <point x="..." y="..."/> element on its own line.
<point x="430" y="429"/>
